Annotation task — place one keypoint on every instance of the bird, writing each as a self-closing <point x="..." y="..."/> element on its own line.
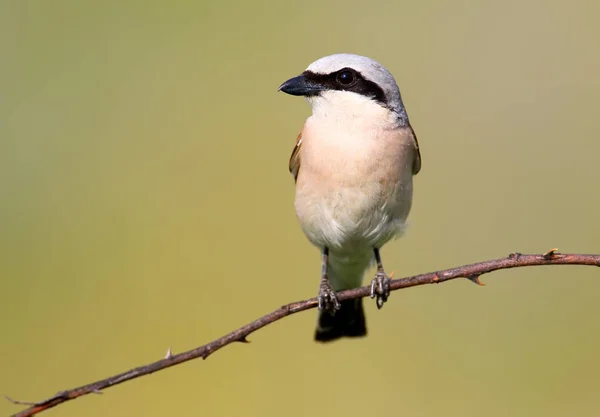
<point x="353" y="165"/>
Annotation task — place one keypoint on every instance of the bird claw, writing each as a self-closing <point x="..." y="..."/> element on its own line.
<point x="327" y="299"/>
<point x="380" y="288"/>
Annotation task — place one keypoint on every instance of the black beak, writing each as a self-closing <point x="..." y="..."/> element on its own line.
<point x="300" y="86"/>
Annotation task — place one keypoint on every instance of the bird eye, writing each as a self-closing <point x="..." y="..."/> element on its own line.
<point x="346" y="78"/>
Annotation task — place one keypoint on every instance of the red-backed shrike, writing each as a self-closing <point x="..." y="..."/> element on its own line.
<point x="353" y="165"/>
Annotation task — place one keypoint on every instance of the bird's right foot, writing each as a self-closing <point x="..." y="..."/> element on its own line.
<point x="327" y="299"/>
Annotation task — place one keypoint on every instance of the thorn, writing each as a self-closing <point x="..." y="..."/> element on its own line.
<point x="243" y="340"/>
<point x="169" y="354"/>
<point x="475" y="280"/>
<point x="60" y="394"/>
<point x="550" y="254"/>
<point x="391" y="274"/>
<point x="205" y="354"/>
<point x="97" y="391"/>
<point x="17" y="402"/>
<point x="515" y="256"/>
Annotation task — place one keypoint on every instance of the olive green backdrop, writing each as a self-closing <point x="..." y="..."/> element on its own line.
<point x="146" y="203"/>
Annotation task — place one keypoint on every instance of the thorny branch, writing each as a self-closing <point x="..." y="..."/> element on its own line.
<point x="471" y="272"/>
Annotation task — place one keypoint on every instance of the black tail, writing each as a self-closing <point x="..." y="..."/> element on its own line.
<point x="348" y="321"/>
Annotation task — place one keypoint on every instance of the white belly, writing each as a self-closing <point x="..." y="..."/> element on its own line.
<point x="350" y="218"/>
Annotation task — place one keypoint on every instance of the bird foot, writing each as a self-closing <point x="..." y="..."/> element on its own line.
<point x="327" y="299"/>
<point x="380" y="287"/>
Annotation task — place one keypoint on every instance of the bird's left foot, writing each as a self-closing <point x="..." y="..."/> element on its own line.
<point x="380" y="287"/>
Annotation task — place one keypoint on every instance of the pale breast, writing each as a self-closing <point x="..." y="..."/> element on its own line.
<point x="353" y="189"/>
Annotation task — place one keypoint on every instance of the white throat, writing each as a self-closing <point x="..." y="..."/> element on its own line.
<point x="346" y="109"/>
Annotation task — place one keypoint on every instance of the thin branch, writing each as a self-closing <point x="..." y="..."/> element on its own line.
<point x="471" y="272"/>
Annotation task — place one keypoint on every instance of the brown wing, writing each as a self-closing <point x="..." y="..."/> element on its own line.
<point x="417" y="160"/>
<point x="294" y="164"/>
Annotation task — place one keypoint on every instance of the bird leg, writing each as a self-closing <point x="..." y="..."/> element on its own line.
<point x="380" y="285"/>
<point x="327" y="298"/>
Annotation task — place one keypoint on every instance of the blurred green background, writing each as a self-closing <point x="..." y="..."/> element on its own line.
<point x="146" y="203"/>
